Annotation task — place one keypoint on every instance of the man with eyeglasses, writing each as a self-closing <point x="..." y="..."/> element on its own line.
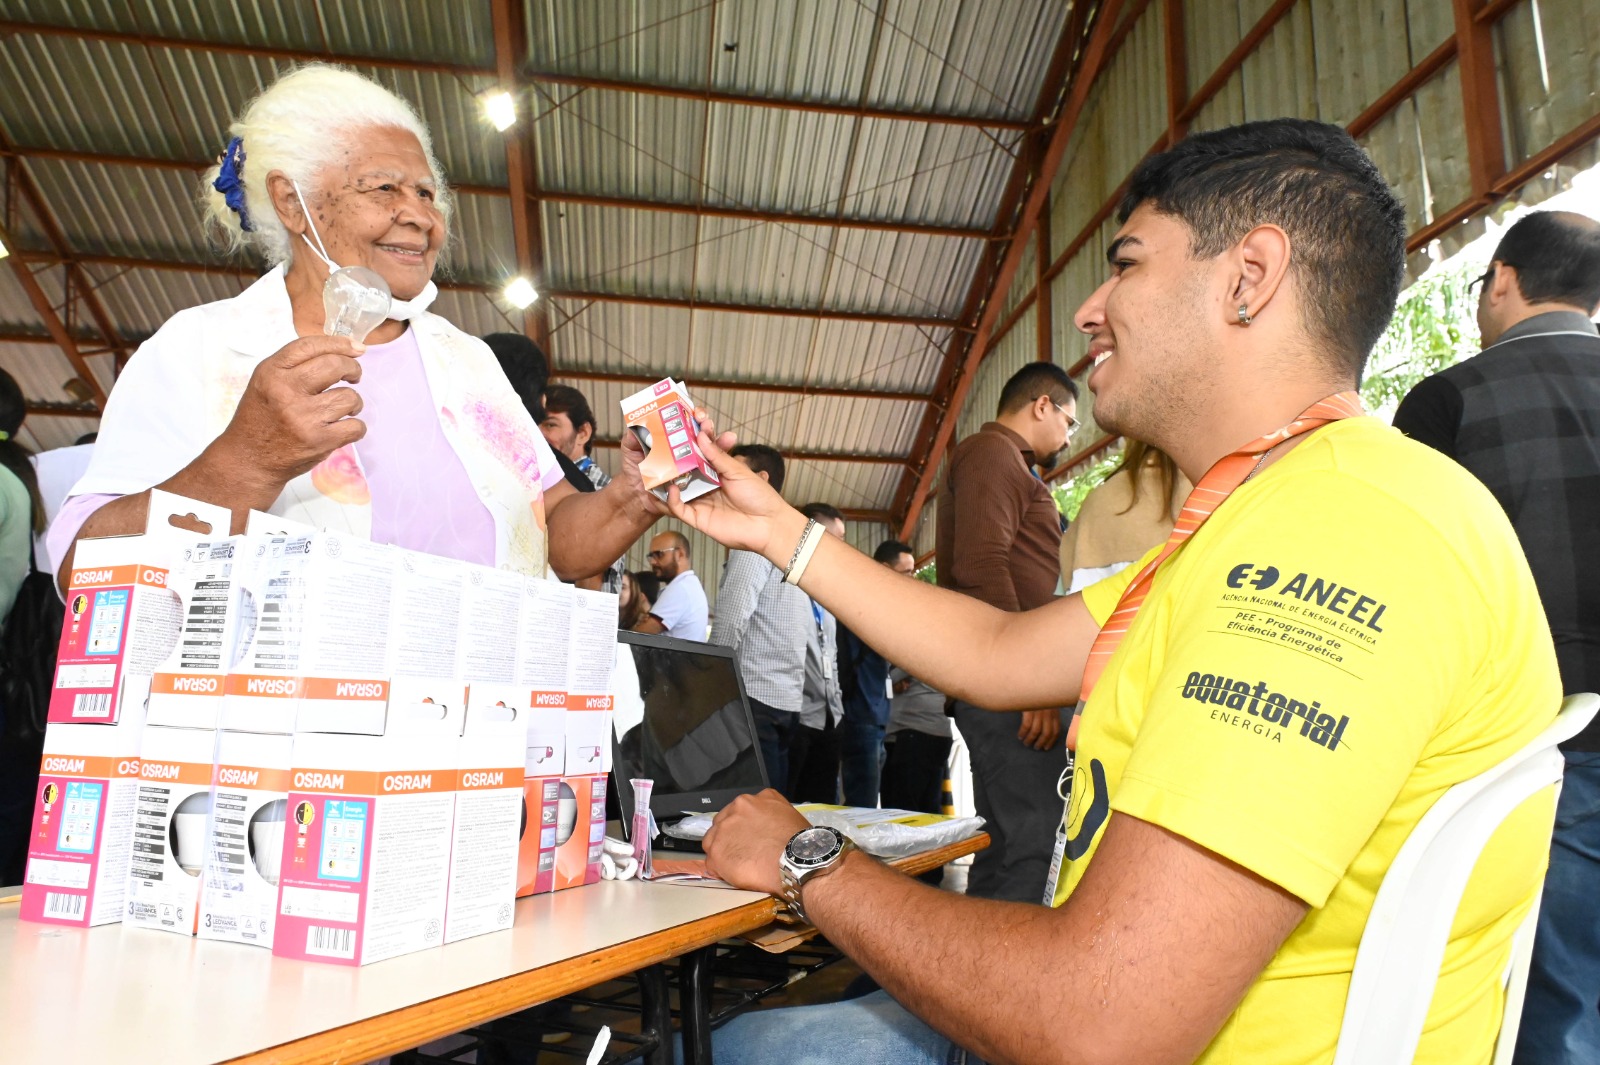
<point x="681" y="608"/>
<point x="999" y="537"/>
<point x="1522" y="417"/>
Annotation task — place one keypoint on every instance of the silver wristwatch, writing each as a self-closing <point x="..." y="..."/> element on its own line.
<point x="811" y="852"/>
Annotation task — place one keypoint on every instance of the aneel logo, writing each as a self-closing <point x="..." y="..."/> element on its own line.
<point x="57" y="764"/>
<point x="247" y="778"/>
<point x="158" y="771"/>
<point x="305" y="780"/>
<point x="483" y="780"/>
<point x="408" y="782"/>
<point x="347" y="689"/>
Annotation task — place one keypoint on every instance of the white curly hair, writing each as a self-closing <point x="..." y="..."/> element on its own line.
<point x="298" y="125"/>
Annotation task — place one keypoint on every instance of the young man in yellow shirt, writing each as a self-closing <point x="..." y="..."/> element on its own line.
<point x="1272" y="702"/>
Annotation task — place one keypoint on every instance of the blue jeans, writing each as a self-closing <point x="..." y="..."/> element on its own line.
<point x="860" y="760"/>
<point x="871" y="1030"/>
<point x="1561" y="1016"/>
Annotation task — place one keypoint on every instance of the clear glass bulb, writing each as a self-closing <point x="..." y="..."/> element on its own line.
<point x="356" y="301"/>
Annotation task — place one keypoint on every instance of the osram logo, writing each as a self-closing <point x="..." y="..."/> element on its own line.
<point x="200" y="685"/>
<point x="57" y="764"/>
<point x="408" y="782"/>
<point x="347" y="689"/>
<point x="157" y="577"/>
<point x="482" y="780"/>
<point x="271" y="686"/>
<point x="598" y="702"/>
<point x="245" y="777"/>
<point x="158" y="771"/>
<point x="128" y="767"/>
<point x="549" y="699"/>
<point x="304" y="781"/>
<point x="95" y="576"/>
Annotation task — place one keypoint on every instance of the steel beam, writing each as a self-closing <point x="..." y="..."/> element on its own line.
<point x="1043" y="339"/>
<point x="717" y="96"/>
<point x="1480" y="96"/>
<point x="813" y="456"/>
<point x="394" y="62"/>
<point x="52" y="321"/>
<point x="1177" y="57"/>
<point x="701" y="383"/>
<point x="587" y="199"/>
<point x="1095" y="55"/>
<point x="522" y="171"/>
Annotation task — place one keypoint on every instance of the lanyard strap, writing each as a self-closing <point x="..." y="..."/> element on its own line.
<point x="1214" y="488"/>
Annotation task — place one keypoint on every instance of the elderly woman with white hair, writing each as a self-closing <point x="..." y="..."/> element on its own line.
<point x="413" y="438"/>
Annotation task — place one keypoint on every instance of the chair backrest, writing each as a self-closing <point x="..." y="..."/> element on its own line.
<point x="1403" y="944"/>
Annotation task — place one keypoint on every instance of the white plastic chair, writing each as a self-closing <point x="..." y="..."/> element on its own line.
<point x="1402" y="947"/>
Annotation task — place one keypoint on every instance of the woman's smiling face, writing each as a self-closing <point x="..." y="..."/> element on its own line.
<point x="378" y="207"/>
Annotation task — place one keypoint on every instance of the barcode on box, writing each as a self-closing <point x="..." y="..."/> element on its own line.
<point x="67" y="907"/>
<point x="91" y="705"/>
<point x="331" y="942"/>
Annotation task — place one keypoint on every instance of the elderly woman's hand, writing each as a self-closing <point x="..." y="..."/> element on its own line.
<point x="291" y="417"/>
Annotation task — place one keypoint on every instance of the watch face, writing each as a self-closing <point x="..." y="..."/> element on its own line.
<point x="814" y="846"/>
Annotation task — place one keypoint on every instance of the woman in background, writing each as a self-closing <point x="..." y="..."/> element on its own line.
<point x="1132" y="511"/>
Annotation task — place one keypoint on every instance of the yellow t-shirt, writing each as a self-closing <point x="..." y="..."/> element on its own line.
<point x="1353" y="632"/>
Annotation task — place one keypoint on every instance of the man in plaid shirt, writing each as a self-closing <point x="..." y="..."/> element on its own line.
<point x="1524" y="418"/>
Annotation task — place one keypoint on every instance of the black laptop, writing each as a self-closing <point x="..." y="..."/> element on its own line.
<point x="682" y="721"/>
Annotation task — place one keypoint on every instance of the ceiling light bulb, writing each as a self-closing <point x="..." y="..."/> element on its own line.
<point x="520" y="293"/>
<point x="501" y="110"/>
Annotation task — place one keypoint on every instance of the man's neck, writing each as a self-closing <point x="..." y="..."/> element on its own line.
<point x="1246" y="417"/>
<point x="1019" y="425"/>
<point x="1531" y="311"/>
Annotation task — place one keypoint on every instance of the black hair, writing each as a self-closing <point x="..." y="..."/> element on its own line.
<point x="647" y="584"/>
<point x="564" y="399"/>
<point x="525" y="366"/>
<point x="1347" y="231"/>
<point x="822" y="512"/>
<point x="13" y="456"/>
<point x="890" y="550"/>
<point x="762" y="459"/>
<point x="1557" y="258"/>
<point x="1034" y="380"/>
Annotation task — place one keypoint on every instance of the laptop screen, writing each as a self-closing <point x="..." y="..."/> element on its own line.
<point x="683" y="722"/>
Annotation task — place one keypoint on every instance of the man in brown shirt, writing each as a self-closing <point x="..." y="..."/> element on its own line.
<point x="998" y="538"/>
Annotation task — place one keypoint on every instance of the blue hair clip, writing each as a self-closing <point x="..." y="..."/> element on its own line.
<point x="230" y="183"/>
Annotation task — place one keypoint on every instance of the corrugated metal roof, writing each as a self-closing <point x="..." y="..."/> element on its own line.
<point x="953" y="57"/>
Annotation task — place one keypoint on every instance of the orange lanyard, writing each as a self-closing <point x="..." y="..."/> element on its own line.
<point x="1216" y="486"/>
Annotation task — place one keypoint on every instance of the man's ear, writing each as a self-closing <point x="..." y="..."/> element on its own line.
<point x="584" y="434"/>
<point x="1261" y="262"/>
<point x="763" y="475"/>
<point x="1504" y="284"/>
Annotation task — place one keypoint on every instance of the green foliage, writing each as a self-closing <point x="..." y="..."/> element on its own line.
<point x="1069" y="493"/>
<point x="1434" y="326"/>
<point x="928" y="574"/>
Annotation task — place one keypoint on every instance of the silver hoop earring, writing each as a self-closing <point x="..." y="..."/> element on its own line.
<point x="1244" y="315"/>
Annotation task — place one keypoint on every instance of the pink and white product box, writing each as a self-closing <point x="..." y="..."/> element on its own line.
<point x="171" y="824"/>
<point x="82" y="830"/>
<point x="366" y="851"/>
<point x="319" y="656"/>
<point x="187" y="688"/>
<point x="249" y="810"/>
<point x="121" y="620"/>
<point x="542" y="672"/>
<point x="483" y="846"/>
<point x="591" y="655"/>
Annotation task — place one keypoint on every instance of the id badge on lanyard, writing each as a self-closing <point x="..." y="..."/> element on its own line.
<point x="1058" y="852"/>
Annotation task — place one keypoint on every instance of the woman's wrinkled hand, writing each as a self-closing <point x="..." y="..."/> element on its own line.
<point x="291" y="416"/>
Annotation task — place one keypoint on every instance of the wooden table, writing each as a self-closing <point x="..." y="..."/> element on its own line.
<point x="106" y="993"/>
